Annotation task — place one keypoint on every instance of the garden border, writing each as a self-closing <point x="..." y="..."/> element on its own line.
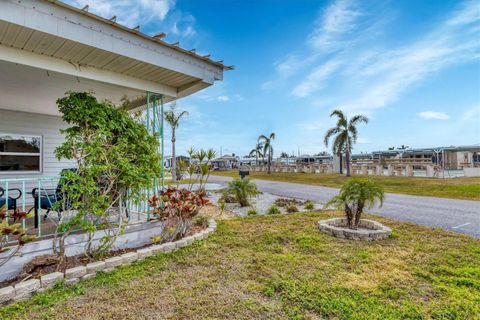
<point x="372" y="230"/>
<point x="26" y="289"/>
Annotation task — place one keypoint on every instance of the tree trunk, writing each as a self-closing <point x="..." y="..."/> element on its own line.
<point x="269" y="159"/>
<point x="349" y="216"/>
<point x="347" y="161"/>
<point x="341" y="163"/>
<point x="358" y="214"/>
<point x="174" y="159"/>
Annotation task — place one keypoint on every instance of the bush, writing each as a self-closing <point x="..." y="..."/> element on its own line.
<point x="221" y="204"/>
<point x="355" y="195"/>
<point x="242" y="190"/>
<point x="252" y="212"/>
<point x="177" y="208"/>
<point x="273" y="209"/>
<point x="201" y="221"/>
<point x="285" y="202"/>
<point x="292" y="208"/>
<point x="309" y="205"/>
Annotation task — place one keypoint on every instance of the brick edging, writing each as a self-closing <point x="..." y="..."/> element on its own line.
<point x="26" y="289"/>
<point x="371" y="230"/>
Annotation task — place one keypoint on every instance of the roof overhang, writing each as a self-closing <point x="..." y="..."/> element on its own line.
<point x="49" y="40"/>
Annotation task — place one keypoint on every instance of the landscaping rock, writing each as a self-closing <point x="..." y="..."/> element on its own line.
<point x="88" y="276"/>
<point x="368" y="229"/>
<point x="143" y="253"/>
<point x="72" y="281"/>
<point x="158" y="248"/>
<point x="49" y="280"/>
<point x="76" y="272"/>
<point x="113" y="262"/>
<point x="24" y="290"/>
<point x="95" y="267"/>
<point x="169" y="246"/>
<point x="129" y="257"/>
<point x="7" y="294"/>
<point x="180" y="243"/>
<point x="189" y="239"/>
<point x="198" y="236"/>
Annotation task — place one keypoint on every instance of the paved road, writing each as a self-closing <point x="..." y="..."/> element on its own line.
<point x="455" y="215"/>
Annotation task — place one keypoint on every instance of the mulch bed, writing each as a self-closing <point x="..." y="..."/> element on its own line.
<point x="46" y="264"/>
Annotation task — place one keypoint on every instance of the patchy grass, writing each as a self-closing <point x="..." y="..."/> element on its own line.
<point x="456" y="188"/>
<point x="281" y="267"/>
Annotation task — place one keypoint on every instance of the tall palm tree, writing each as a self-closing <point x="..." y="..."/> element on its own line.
<point x="173" y="118"/>
<point x="256" y="152"/>
<point x="266" y="143"/>
<point x="345" y="133"/>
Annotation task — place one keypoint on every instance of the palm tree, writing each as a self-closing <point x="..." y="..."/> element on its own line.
<point x="256" y="152"/>
<point x="173" y="118"/>
<point x="345" y="133"/>
<point x="356" y="195"/>
<point x="266" y="143"/>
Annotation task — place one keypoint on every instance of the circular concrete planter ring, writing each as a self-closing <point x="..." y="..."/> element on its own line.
<point x="368" y="230"/>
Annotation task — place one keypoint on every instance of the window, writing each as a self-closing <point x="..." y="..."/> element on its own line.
<point x="20" y="153"/>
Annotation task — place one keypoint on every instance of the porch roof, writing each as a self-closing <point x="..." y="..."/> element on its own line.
<point x="94" y="53"/>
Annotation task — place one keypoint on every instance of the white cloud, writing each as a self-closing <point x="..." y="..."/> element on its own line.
<point x="386" y="75"/>
<point x="435" y="115"/>
<point x="223" y="98"/>
<point x="472" y="114"/>
<point x="316" y="78"/>
<point x="333" y="27"/>
<point x="129" y="13"/>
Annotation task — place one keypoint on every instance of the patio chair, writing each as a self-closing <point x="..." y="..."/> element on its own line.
<point x="46" y="198"/>
<point x="12" y="200"/>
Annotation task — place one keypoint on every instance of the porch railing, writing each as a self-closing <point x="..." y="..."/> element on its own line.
<point x="21" y="196"/>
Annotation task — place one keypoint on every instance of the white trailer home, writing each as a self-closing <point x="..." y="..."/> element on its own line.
<point x="48" y="48"/>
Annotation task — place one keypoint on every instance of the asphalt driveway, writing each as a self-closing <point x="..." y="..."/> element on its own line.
<point x="461" y="216"/>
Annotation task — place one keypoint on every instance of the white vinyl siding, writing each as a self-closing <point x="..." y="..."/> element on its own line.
<point x="48" y="127"/>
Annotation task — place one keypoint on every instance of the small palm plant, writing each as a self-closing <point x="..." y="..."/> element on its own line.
<point x="357" y="194"/>
<point x="242" y="190"/>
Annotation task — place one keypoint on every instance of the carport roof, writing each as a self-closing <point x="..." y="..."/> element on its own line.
<point x="54" y="36"/>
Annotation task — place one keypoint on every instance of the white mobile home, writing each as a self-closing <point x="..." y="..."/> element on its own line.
<point x="48" y="48"/>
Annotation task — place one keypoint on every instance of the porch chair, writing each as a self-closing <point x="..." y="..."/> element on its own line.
<point x="46" y="198"/>
<point x="12" y="200"/>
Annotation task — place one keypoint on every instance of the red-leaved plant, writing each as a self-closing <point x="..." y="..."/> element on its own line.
<point x="177" y="208"/>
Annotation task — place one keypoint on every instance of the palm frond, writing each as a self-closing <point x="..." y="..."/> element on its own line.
<point x="329" y="134"/>
<point x="358" y="119"/>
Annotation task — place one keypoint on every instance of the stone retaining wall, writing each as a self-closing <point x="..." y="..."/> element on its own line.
<point x="369" y="230"/>
<point x="26" y="289"/>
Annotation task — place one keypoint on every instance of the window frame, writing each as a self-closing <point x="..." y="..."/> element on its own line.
<point x="39" y="154"/>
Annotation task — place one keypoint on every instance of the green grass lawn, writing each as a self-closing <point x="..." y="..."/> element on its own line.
<point x="281" y="267"/>
<point x="458" y="188"/>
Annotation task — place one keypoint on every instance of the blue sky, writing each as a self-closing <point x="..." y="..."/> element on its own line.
<point x="413" y="67"/>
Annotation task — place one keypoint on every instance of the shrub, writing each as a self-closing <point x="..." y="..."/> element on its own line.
<point x="285" y="202"/>
<point x="355" y="195"/>
<point x="252" y="212"/>
<point x="156" y="239"/>
<point x="12" y="232"/>
<point x="201" y="221"/>
<point x="242" y="190"/>
<point x="221" y="204"/>
<point x="309" y="205"/>
<point x="177" y="208"/>
<point x="292" y="208"/>
<point x="273" y="209"/>
<point x="117" y="160"/>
